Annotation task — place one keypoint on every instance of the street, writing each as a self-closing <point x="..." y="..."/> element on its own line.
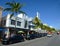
<point x="44" y="41"/>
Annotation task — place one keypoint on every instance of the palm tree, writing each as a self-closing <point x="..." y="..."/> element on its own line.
<point x="41" y="25"/>
<point x="44" y="27"/>
<point x="15" y="8"/>
<point x="53" y="30"/>
<point x="37" y="22"/>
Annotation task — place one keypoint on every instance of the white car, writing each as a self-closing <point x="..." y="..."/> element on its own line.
<point x="49" y="35"/>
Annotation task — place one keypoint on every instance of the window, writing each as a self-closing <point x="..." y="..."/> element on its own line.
<point x="13" y="22"/>
<point x="30" y="21"/>
<point x="4" y="22"/>
<point x="18" y="23"/>
<point x="25" y="24"/>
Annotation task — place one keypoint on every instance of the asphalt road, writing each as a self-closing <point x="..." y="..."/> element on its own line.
<point x="44" y="41"/>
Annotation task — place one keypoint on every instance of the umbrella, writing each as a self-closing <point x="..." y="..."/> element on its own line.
<point x="20" y="32"/>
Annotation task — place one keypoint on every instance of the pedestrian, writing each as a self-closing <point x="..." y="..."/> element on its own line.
<point x="23" y="36"/>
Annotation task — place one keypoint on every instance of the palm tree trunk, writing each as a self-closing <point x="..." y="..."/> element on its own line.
<point x="15" y="24"/>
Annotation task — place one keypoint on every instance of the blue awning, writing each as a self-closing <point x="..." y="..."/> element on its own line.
<point x="2" y="29"/>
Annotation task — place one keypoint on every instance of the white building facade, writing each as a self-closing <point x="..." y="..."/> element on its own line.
<point x="17" y="23"/>
<point x="21" y="22"/>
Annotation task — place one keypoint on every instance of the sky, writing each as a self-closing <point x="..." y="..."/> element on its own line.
<point x="49" y="10"/>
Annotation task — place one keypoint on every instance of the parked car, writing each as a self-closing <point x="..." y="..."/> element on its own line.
<point x="58" y="33"/>
<point x="31" y="36"/>
<point x="49" y="35"/>
<point x="14" y="39"/>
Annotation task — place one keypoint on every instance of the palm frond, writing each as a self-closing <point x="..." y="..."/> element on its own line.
<point x="10" y="4"/>
<point x="7" y="9"/>
<point x="14" y="7"/>
<point x="11" y="15"/>
<point x="21" y="5"/>
<point x="22" y="12"/>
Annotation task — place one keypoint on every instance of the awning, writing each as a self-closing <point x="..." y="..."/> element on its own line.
<point x="20" y="32"/>
<point x="2" y="29"/>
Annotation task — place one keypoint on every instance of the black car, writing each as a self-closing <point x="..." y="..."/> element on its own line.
<point x="31" y="36"/>
<point x="14" y="39"/>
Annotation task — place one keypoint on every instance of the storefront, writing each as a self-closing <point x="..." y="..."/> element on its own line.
<point x="2" y="32"/>
<point x="18" y="31"/>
